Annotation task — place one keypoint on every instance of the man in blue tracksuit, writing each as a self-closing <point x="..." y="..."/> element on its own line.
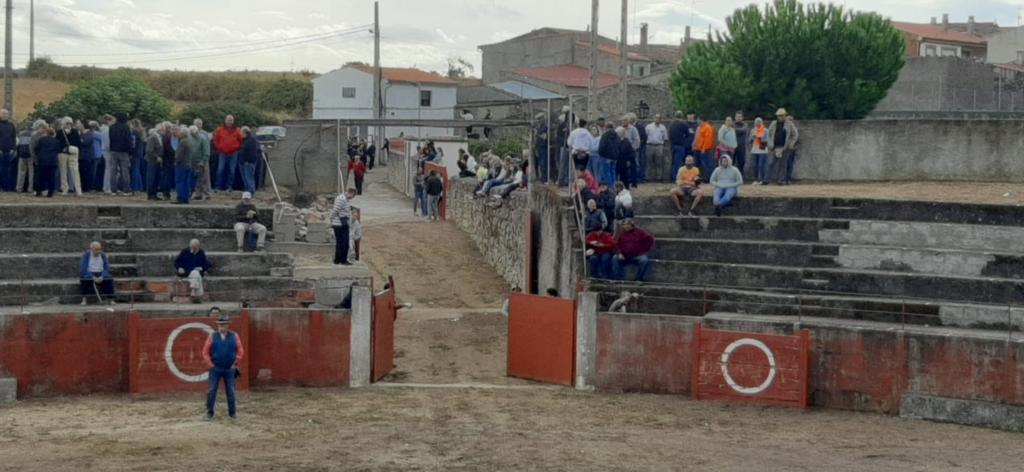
<point x="222" y="352"/>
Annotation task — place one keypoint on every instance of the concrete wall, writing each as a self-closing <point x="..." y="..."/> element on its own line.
<point x="1003" y="46"/>
<point x="853" y="367"/>
<point x="307" y="159"/>
<point x="88" y="352"/>
<point x="499" y="232"/>
<point x="946" y="83"/>
<point x="911" y="150"/>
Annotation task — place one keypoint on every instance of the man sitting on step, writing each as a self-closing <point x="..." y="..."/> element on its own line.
<point x="193" y="265"/>
<point x="246" y="221"/>
<point x="633" y="245"/>
<point x="96" y="279"/>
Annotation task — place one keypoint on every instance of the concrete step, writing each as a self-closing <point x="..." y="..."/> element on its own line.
<point x="59" y="240"/>
<point x="1005" y="239"/>
<point x="131" y="215"/>
<point x="733" y="227"/>
<point x="226" y="264"/>
<point x="696" y="301"/>
<point x="841" y="281"/>
<point x="159" y="289"/>
<point x="873" y="209"/>
<point x="818" y="260"/>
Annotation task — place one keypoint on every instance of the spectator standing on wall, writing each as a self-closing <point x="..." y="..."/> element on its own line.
<point x="138" y="179"/>
<point x="222" y="352"/>
<point x="631" y="135"/>
<point x="121" y="154"/>
<point x="71" y="138"/>
<point x="8" y="158"/>
<point x="47" y="149"/>
<point x="702" y="147"/>
<point x="249" y="156"/>
<point x="203" y="186"/>
<point x="608" y="155"/>
<point x="681" y="137"/>
<point x="794" y="153"/>
<point x="657" y="138"/>
<point x="633" y="245"/>
<point x="782" y="137"/>
<point x="727" y="181"/>
<point x="739" y="155"/>
<point x="434" y="188"/>
<point x="227" y="140"/>
<point x="757" y="143"/>
<point x="170" y="143"/>
<point x="154" y="161"/>
<point x="625" y="165"/>
<point x="540" y="147"/>
<point x="579" y="145"/>
<point x="340" y="216"/>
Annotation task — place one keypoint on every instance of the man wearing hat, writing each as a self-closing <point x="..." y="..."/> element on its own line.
<point x="222" y="352"/>
<point x="246" y="221"/>
<point x="782" y="138"/>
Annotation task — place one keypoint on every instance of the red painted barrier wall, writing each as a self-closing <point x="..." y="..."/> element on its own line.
<point x="70" y="354"/>
<point x="644" y="353"/>
<point x="854" y="368"/>
<point x="542" y="338"/>
<point x="300" y="348"/>
<point x="149" y="339"/>
<point x="59" y="354"/>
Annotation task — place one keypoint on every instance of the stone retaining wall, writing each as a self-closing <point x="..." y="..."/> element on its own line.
<point x="499" y="232"/>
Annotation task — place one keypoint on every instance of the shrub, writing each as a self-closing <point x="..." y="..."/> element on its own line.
<point x="504" y="146"/>
<point x="213" y="114"/>
<point x="115" y="93"/>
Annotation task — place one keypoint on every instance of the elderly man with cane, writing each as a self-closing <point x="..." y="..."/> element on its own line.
<point x="222" y="352"/>
<point x="95" y="275"/>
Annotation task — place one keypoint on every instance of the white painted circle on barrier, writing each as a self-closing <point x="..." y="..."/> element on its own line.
<point x="169" y="353"/>
<point x="771" y="365"/>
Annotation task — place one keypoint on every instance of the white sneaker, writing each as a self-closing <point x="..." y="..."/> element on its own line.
<point x="84" y="302"/>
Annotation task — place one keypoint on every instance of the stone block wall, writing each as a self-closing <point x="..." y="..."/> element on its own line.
<point x="499" y="232"/>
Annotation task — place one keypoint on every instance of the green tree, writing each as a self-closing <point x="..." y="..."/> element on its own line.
<point x="213" y="114"/>
<point x="115" y="93"/>
<point x="820" y="61"/>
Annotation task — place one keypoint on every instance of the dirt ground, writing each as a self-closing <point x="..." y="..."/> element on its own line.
<point x="448" y="406"/>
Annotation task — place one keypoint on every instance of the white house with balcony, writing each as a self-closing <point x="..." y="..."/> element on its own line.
<point x="347" y="93"/>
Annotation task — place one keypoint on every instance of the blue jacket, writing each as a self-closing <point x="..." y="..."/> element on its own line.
<point x="88" y="150"/>
<point x="85" y="274"/>
<point x="120" y="137"/>
<point x="250" y="152"/>
<point x="223" y="353"/>
<point x="188" y="261"/>
<point x="47" y="150"/>
<point x="609" y="147"/>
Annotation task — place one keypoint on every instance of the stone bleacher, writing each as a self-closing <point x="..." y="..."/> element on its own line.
<point x="41" y="246"/>
<point x="897" y="261"/>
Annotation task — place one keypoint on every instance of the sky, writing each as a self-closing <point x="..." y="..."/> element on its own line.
<point x="321" y="35"/>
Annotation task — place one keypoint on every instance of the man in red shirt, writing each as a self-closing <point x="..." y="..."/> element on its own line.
<point x="357" y="168"/>
<point x="600" y="250"/>
<point x="633" y="246"/>
<point x="227" y="141"/>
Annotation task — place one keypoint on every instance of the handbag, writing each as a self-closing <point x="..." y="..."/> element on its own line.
<point x="71" y="150"/>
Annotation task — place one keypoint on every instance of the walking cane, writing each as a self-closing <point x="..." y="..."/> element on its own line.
<point x="96" y="289"/>
<point x="270" y="172"/>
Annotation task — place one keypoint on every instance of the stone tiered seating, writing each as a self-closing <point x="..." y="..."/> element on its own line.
<point x="41" y="247"/>
<point x="914" y="262"/>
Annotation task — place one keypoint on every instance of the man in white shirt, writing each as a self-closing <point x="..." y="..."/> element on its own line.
<point x="580" y="142"/>
<point x="657" y="137"/>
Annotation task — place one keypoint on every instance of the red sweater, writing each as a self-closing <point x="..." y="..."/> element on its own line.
<point x="601" y="242"/>
<point x="357" y="167"/>
<point x="636" y="242"/>
<point x="227" y="140"/>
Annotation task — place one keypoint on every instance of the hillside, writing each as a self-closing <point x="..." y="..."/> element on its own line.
<point x="27" y="92"/>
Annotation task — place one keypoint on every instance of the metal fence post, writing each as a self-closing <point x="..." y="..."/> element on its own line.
<point x="903" y="315"/>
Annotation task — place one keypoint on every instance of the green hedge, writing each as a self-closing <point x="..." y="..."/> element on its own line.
<point x="213" y="114"/>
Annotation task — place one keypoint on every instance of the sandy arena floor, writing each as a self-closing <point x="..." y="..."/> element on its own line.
<point x="448" y="406"/>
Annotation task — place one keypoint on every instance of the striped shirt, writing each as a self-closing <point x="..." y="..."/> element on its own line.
<point x="341" y="210"/>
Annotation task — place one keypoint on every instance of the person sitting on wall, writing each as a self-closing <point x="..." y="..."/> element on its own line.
<point x="193" y="265"/>
<point x="600" y="250"/>
<point x="247" y="221"/>
<point x="595" y="218"/>
<point x="687" y="186"/>
<point x="519" y="181"/>
<point x="506" y="176"/>
<point x="633" y="246"/>
<point x="95" y="276"/>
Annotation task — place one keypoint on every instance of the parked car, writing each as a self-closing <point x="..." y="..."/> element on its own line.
<point x="268" y="136"/>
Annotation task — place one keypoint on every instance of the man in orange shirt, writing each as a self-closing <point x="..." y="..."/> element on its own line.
<point x="703" y="148"/>
<point x="687" y="181"/>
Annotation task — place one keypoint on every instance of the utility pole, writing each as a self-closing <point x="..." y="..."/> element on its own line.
<point x="8" y="62"/>
<point x="623" y="63"/>
<point x="592" y="88"/>
<point x="378" y="142"/>
<point x="32" y="30"/>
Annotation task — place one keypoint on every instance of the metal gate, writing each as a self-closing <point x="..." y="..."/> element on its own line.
<point x="542" y="338"/>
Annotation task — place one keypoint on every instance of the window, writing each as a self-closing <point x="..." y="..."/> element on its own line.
<point x="348" y="92"/>
<point x="425" y="96"/>
<point x="946" y="51"/>
<point x="930" y="50"/>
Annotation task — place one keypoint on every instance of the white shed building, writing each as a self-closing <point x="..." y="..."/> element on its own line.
<point x="347" y="93"/>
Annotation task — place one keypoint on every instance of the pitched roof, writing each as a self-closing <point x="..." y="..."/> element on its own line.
<point x="401" y="74"/>
<point x="938" y="33"/>
<point x="613" y="51"/>
<point x="567" y="75"/>
<point x="525" y="91"/>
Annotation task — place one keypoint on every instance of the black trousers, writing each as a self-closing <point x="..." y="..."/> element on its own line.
<point x="89" y="288"/>
<point x="341" y="242"/>
<point x="359" y="184"/>
<point x="45" y="177"/>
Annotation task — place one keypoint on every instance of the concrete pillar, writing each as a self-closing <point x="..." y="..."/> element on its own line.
<point x="586" y="340"/>
<point x="360" y="344"/>
<point x="8" y="390"/>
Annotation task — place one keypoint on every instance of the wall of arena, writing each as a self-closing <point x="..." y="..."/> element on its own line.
<point x="498" y="230"/>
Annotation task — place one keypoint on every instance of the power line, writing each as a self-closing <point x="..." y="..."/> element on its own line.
<point x="219" y="54"/>
<point x="237" y="45"/>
